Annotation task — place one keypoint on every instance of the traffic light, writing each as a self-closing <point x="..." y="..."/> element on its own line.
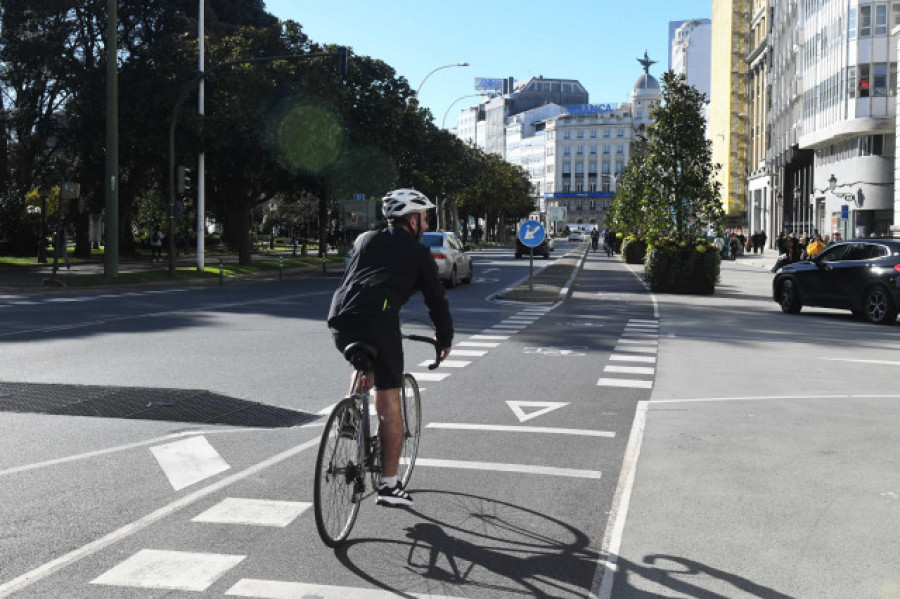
<point x="183" y="180"/>
<point x="341" y="66"/>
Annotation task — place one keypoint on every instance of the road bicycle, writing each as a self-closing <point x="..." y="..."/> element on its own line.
<point x="350" y="450"/>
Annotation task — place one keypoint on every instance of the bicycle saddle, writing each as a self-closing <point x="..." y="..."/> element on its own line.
<point x="361" y="355"/>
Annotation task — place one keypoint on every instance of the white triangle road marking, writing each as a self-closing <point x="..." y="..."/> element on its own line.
<point x="543" y="408"/>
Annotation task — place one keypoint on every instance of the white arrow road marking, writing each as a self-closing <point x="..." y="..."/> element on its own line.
<point x="175" y="570"/>
<point x="543" y="408"/>
<point x="189" y="461"/>
<point x="255" y="512"/>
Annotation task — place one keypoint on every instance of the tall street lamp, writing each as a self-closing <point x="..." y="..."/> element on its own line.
<point x="433" y="71"/>
<point x="444" y="121"/>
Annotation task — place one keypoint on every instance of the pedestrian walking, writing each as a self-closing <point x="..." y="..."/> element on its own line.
<point x="156" y="244"/>
<point x="595" y="238"/>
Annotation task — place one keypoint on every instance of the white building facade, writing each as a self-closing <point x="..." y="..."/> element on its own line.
<point x="689" y="54"/>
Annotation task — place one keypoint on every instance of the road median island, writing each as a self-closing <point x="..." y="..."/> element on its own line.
<point x="548" y="282"/>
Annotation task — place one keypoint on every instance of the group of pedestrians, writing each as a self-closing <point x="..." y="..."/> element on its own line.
<point x="792" y="248"/>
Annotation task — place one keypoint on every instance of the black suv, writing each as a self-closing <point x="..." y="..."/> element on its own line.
<point x="543" y="249"/>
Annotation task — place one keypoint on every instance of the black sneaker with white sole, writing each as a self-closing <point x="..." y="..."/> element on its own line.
<point x="393" y="496"/>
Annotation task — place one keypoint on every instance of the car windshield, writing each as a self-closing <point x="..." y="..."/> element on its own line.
<point x="432" y="241"/>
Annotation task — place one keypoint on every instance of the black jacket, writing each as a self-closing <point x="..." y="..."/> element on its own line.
<point x="386" y="269"/>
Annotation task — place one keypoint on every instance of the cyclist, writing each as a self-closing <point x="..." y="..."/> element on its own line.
<point x="386" y="268"/>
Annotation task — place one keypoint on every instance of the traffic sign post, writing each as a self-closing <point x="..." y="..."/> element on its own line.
<point x="531" y="234"/>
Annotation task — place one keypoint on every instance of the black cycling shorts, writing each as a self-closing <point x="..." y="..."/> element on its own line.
<point x="388" y="366"/>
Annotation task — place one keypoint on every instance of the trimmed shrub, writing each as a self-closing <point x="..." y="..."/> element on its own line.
<point x="634" y="250"/>
<point x="690" y="266"/>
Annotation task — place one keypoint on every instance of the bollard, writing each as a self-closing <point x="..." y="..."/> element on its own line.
<point x="324" y="270"/>
<point x="221" y="271"/>
<point x="280" y="268"/>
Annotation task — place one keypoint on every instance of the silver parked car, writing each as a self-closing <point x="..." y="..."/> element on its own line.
<point x="452" y="258"/>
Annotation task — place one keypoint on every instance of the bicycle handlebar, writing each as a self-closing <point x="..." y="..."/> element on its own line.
<point x="432" y="342"/>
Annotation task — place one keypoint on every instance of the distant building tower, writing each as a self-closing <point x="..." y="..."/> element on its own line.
<point x="689" y="53"/>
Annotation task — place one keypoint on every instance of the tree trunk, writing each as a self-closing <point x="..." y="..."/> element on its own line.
<point x="323" y="226"/>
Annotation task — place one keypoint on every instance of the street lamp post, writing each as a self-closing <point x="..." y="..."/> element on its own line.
<point x="444" y="121"/>
<point x="433" y="71"/>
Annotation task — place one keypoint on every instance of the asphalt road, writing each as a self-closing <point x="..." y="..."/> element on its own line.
<point x="692" y="446"/>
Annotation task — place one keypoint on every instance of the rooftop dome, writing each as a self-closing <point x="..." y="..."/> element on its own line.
<point x="646" y="81"/>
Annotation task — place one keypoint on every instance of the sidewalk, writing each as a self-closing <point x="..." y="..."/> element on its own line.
<point x="40" y="277"/>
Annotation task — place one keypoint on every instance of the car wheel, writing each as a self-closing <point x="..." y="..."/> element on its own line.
<point x="790" y="297"/>
<point x="468" y="279"/>
<point x="454" y="281"/>
<point x="879" y="306"/>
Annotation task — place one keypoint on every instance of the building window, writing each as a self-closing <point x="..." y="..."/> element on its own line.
<point x="851" y="82"/>
<point x="579" y="168"/>
<point x="620" y="149"/>
<point x="879" y="79"/>
<point x="881" y="19"/>
<point x="567" y="187"/>
<point x="620" y="133"/>
<point x="592" y="186"/>
<point x="567" y="168"/>
<point x="549" y="150"/>
<point x="606" y="133"/>
<point x="606" y="149"/>
<point x="592" y="205"/>
<point x="865" y="21"/>
<point x="593" y="149"/>
<point x="592" y="168"/>
<point x="579" y="187"/>
<point x="606" y="185"/>
<point x="593" y="134"/>
<point x="581" y="149"/>
<point x="580" y="134"/>
<point x="605" y="168"/>
<point x="567" y="134"/>
<point x="863" y="81"/>
<point x="619" y="166"/>
<point x="567" y="150"/>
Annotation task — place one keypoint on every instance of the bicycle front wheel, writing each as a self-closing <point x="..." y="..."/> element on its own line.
<point x="338" y="474"/>
<point x="411" y="410"/>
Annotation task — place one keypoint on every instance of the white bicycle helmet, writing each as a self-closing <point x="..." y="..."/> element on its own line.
<point x="401" y="202"/>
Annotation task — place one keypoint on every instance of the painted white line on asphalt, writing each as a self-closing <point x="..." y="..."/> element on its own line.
<point x="653" y="341"/>
<point x="630" y="383"/>
<point x="633" y="335"/>
<point x="253" y="512"/>
<point x="768" y="398"/>
<point x="276" y="589"/>
<point x="615" y="524"/>
<point x="448" y="363"/>
<point x="519" y="429"/>
<point x="640" y="350"/>
<point x="429" y="376"/>
<point x="490" y="337"/>
<point x="525" y="319"/>
<point x="885" y="362"/>
<point x="629" y="358"/>
<point x="510" y="325"/>
<point x="24" y="580"/>
<point x="172" y="570"/>
<point x="477" y="344"/>
<point x="644" y="320"/>
<point x="189" y="461"/>
<point x="120" y="448"/>
<point x="504" y="331"/>
<point x="629" y="369"/>
<point x="497" y="467"/>
<point x="468" y="353"/>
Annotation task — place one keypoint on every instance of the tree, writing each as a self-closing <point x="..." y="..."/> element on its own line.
<point x="627" y="212"/>
<point x="681" y="195"/>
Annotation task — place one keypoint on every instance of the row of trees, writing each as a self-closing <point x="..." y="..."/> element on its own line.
<point x="295" y="131"/>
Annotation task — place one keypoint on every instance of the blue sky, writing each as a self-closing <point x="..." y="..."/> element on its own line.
<point x="596" y="42"/>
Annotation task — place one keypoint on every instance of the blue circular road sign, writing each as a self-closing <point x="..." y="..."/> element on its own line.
<point x="531" y="233"/>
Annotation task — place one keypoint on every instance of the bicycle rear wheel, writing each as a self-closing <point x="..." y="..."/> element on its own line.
<point x="411" y="410"/>
<point x="338" y="474"/>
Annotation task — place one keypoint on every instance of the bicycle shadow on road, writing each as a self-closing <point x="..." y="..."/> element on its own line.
<point x="467" y="545"/>
<point x="684" y="578"/>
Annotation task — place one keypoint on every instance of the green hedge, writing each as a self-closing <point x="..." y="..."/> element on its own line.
<point x="682" y="267"/>
<point x="634" y="250"/>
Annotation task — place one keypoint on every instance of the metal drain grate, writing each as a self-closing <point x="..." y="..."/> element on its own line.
<point x="175" y="405"/>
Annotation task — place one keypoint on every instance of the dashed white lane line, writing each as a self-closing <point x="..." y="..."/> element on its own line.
<point x="653" y="341"/>
<point x="630" y="369"/>
<point x="634" y="384"/>
<point x="469" y="353"/>
<point x="253" y="512"/>
<point x="490" y="337"/>
<point x="430" y="376"/>
<point x="477" y="344"/>
<point x="174" y="570"/>
<point x="520" y="429"/>
<point x="448" y="363"/>
<point x="640" y="350"/>
<point x="632" y="358"/>
<point x="497" y="467"/>
<point x="276" y="589"/>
